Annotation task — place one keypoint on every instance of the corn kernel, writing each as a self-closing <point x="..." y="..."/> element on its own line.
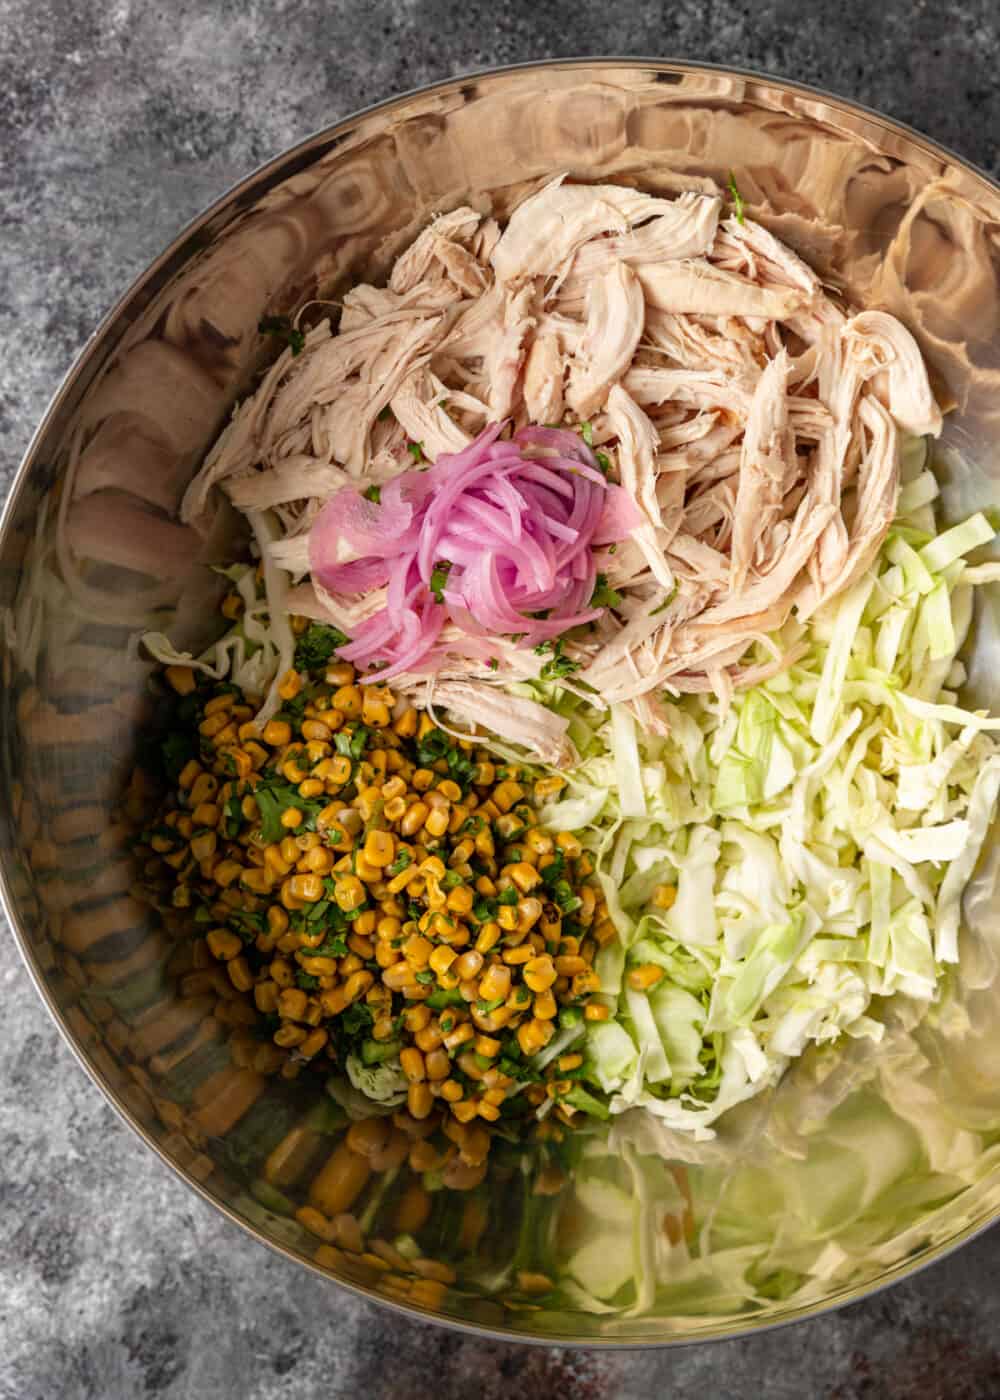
<point x="441" y="959"/>
<point x="305" y="887"/>
<point x="419" y="1100"/>
<point x="347" y="699"/>
<point x="277" y="733"/>
<point x="495" y="983"/>
<point x="289" y="685"/>
<point x="349" y="893"/>
<point x="417" y="951"/>
<point x="181" y="679"/>
<point x="412" y="1064"/>
<point x="224" y="944"/>
<point x="664" y="896"/>
<point x="544" y="1006"/>
<point x="380" y="848"/>
<point x="292" y="1003"/>
<point x="436" y="823"/>
<point x="643" y="977"/>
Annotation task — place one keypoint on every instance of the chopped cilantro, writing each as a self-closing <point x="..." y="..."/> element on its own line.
<point x="558" y="665"/>
<point x="604" y="462"/>
<point x="737" y="198"/>
<point x="446" y="996"/>
<point x="665" y="604"/>
<point x="233" y="815"/>
<point x="587" y="433"/>
<point x="555" y="870"/>
<point x="439" y="577"/>
<point x="306" y="981"/>
<point x="316" y="646"/>
<point x="435" y="745"/>
<point x="352" y="743"/>
<point x="493" y="663"/>
<point x="273" y="798"/>
<point x="507" y="896"/>
<point x="281" y="327"/>
<point x="416" y="450"/>
<point x="177" y="749"/>
<point x="356" y="1018"/>
<point x="402" y="861"/>
<point x="603" y="596"/>
<point x="374" y="493"/>
<point x="335" y="947"/>
<point x="562" y="893"/>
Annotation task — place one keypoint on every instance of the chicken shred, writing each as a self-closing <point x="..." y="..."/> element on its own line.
<point x="754" y="421"/>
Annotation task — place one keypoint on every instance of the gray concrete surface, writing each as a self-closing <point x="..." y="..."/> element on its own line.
<point x="118" y="122"/>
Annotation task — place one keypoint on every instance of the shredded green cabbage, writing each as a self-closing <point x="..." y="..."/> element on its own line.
<point x="818" y="834"/>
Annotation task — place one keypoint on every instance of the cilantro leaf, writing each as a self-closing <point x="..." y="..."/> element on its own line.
<point x="273" y="798"/>
<point x="233" y="815"/>
<point x="352" y="743"/>
<point x="316" y="646"/>
<point x="603" y="596"/>
<point x="416" y="450"/>
<point x="281" y="328"/>
<point x="738" y="205"/>
<point x="176" y="750"/>
<point x="558" y="665"/>
<point x="374" y="493"/>
<point x="356" y="1018"/>
<point x="661" y="607"/>
<point x="439" y="577"/>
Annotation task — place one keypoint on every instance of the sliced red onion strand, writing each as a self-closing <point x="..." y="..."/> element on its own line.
<point x="515" y="520"/>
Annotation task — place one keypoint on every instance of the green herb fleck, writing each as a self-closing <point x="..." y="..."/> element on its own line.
<point x="737" y="198"/>
<point x="416" y="450"/>
<point x="282" y="328"/>
<point x="316" y="646"/>
<point x="374" y="494"/>
<point x="439" y="577"/>
<point x="662" y="607"/>
<point x="603" y="596"/>
<point x="356" y="1018"/>
<point x="558" y="665"/>
<point x="402" y="861"/>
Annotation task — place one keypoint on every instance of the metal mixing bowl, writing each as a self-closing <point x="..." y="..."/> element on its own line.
<point x="863" y="1165"/>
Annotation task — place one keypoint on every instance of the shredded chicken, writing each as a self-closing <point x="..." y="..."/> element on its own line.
<point x="513" y="717"/>
<point x="753" y="421"/>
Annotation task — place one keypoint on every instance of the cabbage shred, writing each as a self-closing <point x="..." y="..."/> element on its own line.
<point x="818" y="830"/>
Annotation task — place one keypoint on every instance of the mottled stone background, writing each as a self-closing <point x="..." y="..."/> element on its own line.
<point x="118" y="122"/>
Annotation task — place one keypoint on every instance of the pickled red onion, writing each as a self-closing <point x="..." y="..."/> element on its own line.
<point x="514" y="522"/>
